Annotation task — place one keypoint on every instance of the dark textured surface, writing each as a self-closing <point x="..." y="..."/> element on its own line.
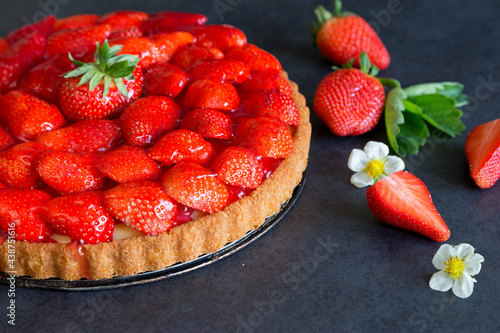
<point x="329" y="265"/>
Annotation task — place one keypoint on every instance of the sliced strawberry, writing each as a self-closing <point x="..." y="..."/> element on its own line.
<point x="182" y="145"/>
<point x="265" y="81"/>
<point x="239" y="166"/>
<point x="128" y="163"/>
<point x="274" y="105"/>
<point x="123" y="19"/>
<point x="142" y="205"/>
<point x="227" y="70"/>
<point x="482" y="148"/>
<point x="268" y="137"/>
<point x="79" y="42"/>
<point x="6" y="140"/>
<point x="401" y="199"/>
<point x="170" y="21"/>
<point x="164" y="79"/>
<point x="26" y="116"/>
<point x="209" y="123"/>
<point x="86" y="136"/>
<point x="195" y="186"/>
<point x="255" y="57"/>
<point x="17" y="165"/>
<point x="45" y="26"/>
<point x="69" y="172"/>
<point x="75" y="21"/>
<point x="82" y="217"/>
<point x="22" y="211"/>
<point x="170" y="42"/>
<point x="44" y="79"/>
<point x="125" y="33"/>
<point x="211" y="93"/>
<point x="145" y="120"/>
<point x="189" y="55"/>
<point x="150" y="52"/>
<point x="221" y="36"/>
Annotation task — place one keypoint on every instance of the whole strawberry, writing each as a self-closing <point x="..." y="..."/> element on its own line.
<point x="350" y="101"/>
<point x="102" y="88"/>
<point x="342" y="36"/>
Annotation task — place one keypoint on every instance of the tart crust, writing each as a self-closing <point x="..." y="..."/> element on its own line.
<point x="183" y="243"/>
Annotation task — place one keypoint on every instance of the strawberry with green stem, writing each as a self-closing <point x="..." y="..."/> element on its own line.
<point x="102" y="88"/>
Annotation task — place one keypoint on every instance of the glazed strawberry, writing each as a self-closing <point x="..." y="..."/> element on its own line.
<point x="401" y="199"/>
<point x="173" y="41"/>
<point x="142" y="205"/>
<point x="344" y="36"/>
<point x="6" y="140"/>
<point x="482" y="148"/>
<point x="108" y="85"/>
<point x="4" y="45"/>
<point x="164" y="79"/>
<point x="25" y="209"/>
<point x="349" y="101"/>
<point x="181" y="145"/>
<point x="82" y="217"/>
<point x="128" y="163"/>
<point x="79" y="42"/>
<point x="170" y="21"/>
<point x="26" y="116"/>
<point x="265" y="81"/>
<point x="268" y="137"/>
<point x="239" y="166"/>
<point x="145" y="120"/>
<point x="69" y="172"/>
<point x="255" y="57"/>
<point x="209" y="123"/>
<point x="123" y="19"/>
<point x="150" y="52"/>
<point x="221" y="36"/>
<point x="45" y="26"/>
<point x="44" y="79"/>
<point x="274" y="105"/>
<point x="211" y="93"/>
<point x="227" y="70"/>
<point x="75" y="21"/>
<point x="189" y="55"/>
<point x="195" y="186"/>
<point x="17" y="165"/>
<point x="125" y="33"/>
<point x="86" y="136"/>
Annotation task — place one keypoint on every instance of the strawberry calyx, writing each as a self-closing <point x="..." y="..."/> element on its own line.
<point x="108" y="68"/>
<point x="323" y="15"/>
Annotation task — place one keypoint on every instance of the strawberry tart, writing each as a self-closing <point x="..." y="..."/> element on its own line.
<point x="130" y="142"/>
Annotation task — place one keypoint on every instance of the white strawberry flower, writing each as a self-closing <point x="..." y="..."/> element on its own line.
<point x="458" y="265"/>
<point x="372" y="164"/>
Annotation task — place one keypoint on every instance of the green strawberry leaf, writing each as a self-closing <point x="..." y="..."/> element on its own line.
<point x="393" y="115"/>
<point x="450" y="89"/>
<point x="413" y="134"/>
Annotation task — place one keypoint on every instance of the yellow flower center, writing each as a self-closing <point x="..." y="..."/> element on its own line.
<point x="375" y="168"/>
<point x="454" y="267"/>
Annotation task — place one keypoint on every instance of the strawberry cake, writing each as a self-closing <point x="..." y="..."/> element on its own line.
<point x="130" y="142"/>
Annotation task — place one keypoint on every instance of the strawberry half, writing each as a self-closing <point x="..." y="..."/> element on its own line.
<point x="211" y="93"/>
<point x="189" y="55"/>
<point x="256" y="58"/>
<point x="273" y="104"/>
<point x="239" y="166"/>
<point x="105" y="88"/>
<point x="265" y="81"/>
<point x="17" y="165"/>
<point x="128" y="163"/>
<point x="170" y="21"/>
<point x="82" y="217"/>
<point x="228" y="70"/>
<point x="142" y="205"/>
<point x="209" y="123"/>
<point x="164" y="79"/>
<point x="195" y="186"/>
<point x="123" y="19"/>
<point x="401" y="199"/>
<point x="221" y="36"/>
<point x="482" y="148"/>
<point x="25" y="209"/>
<point x="182" y="145"/>
<point x="44" y="26"/>
<point x="86" y="136"/>
<point x="69" y="172"/>
<point x="75" y="21"/>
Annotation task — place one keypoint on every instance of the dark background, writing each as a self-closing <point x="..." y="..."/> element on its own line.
<point x="330" y="265"/>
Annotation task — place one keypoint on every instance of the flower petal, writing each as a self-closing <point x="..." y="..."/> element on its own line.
<point x="463" y="250"/>
<point x="464" y="285"/>
<point x="357" y="160"/>
<point x="361" y="179"/>
<point x="393" y="164"/>
<point x="442" y="255"/>
<point x="472" y="263"/>
<point x="441" y="281"/>
<point x="375" y="149"/>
